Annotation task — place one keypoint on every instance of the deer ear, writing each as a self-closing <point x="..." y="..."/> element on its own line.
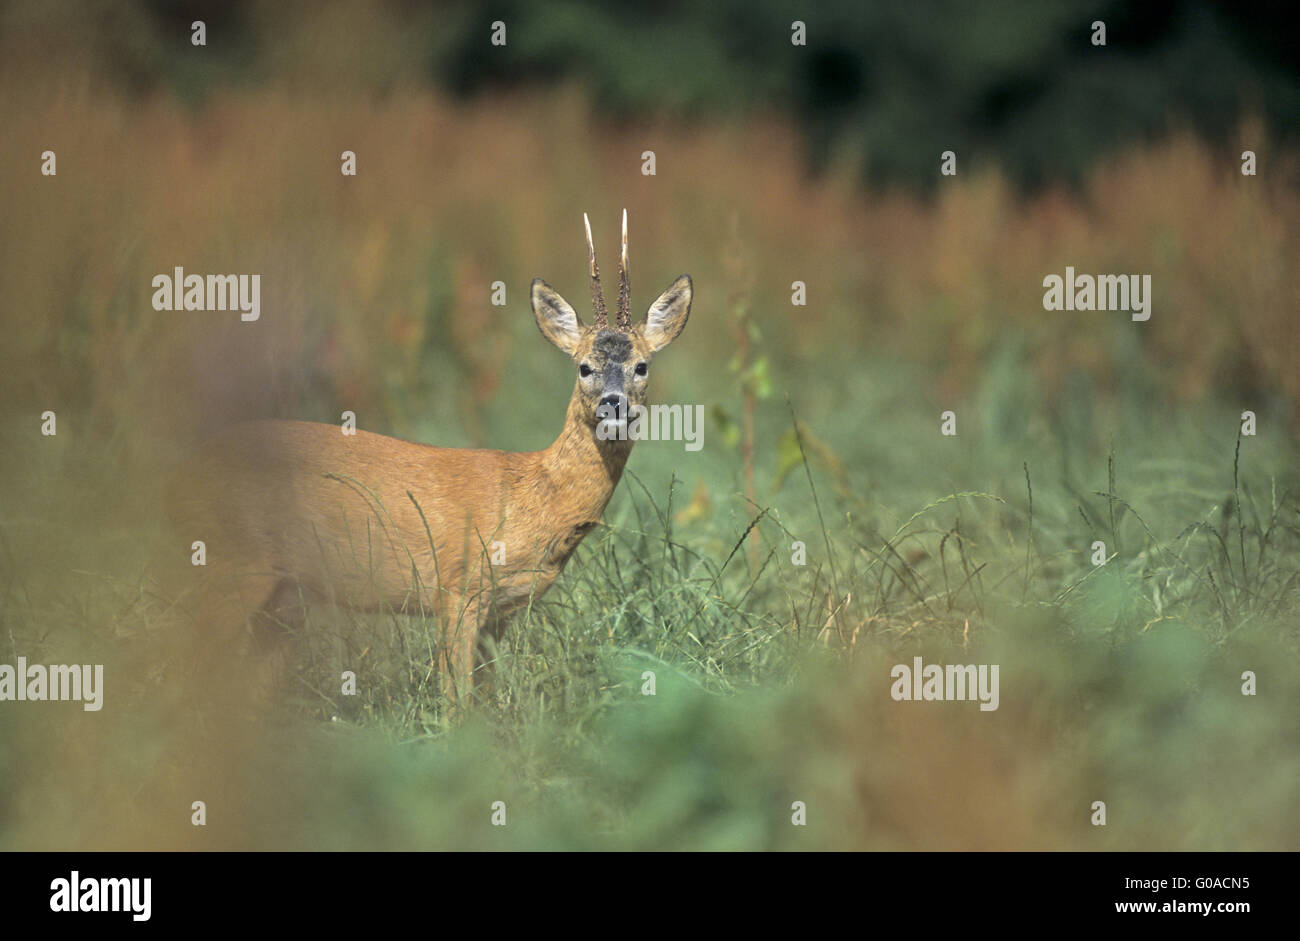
<point x="667" y="316"/>
<point x="558" y="321"/>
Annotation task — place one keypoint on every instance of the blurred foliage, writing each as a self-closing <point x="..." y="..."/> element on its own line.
<point x="884" y="86"/>
<point x="1120" y="683"/>
<point x="1018" y="85"/>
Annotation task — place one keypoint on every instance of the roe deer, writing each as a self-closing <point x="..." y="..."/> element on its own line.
<point x="368" y="521"/>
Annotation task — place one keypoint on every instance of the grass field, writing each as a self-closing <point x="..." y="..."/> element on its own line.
<point x="1119" y="683"/>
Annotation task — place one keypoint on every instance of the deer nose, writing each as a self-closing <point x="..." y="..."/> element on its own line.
<point x="612" y="407"/>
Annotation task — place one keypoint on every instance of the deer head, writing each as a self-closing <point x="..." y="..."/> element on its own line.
<point x="613" y="362"/>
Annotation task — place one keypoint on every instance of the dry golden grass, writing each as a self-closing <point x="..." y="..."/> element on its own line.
<point x="361" y="274"/>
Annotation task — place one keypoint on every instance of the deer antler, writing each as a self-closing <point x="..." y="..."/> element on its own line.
<point x="597" y="298"/>
<point x="624" y="285"/>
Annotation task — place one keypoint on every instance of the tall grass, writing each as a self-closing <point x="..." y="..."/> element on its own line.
<point x="1120" y="682"/>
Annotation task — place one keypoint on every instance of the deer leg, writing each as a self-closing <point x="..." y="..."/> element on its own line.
<point x="275" y="630"/>
<point x="221" y="610"/>
<point x="494" y="626"/>
<point x="459" y="647"/>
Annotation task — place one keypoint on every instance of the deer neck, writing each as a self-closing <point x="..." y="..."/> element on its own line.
<point x="583" y="468"/>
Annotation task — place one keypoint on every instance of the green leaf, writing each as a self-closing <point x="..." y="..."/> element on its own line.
<point x="757" y="380"/>
<point x="788" y="456"/>
<point x="727" y="426"/>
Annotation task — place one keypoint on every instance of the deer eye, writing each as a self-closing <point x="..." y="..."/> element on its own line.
<point x="642" y="369"/>
<point x="584" y="370"/>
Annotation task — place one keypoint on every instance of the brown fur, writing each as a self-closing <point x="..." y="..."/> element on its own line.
<point x="368" y="521"/>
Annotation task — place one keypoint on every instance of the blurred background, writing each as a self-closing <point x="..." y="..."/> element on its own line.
<point x="775" y="163"/>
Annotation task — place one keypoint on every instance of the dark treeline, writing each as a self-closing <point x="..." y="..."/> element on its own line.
<point x="890" y="86"/>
